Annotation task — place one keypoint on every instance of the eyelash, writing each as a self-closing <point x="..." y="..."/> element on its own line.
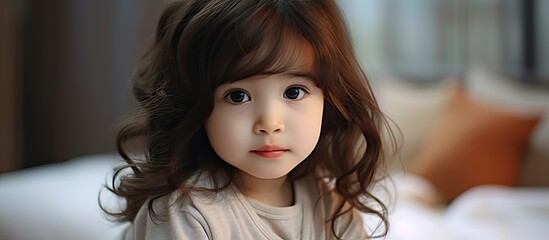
<point x="300" y="88"/>
<point x="232" y="91"/>
<point x="246" y="97"/>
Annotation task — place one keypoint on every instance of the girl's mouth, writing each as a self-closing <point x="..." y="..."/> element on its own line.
<point x="270" y="151"/>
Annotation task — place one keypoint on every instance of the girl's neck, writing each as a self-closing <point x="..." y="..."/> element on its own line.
<point x="274" y="192"/>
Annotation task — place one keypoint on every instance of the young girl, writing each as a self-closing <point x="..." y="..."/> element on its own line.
<point x="258" y="124"/>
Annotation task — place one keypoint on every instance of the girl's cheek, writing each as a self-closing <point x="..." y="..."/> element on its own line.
<point x="225" y="127"/>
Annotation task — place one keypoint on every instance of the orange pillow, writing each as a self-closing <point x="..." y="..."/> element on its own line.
<point x="473" y="144"/>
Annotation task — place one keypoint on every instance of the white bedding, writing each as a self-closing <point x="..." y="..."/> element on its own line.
<point x="485" y="212"/>
<point x="59" y="201"/>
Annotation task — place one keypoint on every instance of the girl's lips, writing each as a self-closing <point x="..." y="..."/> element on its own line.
<point x="270" y="151"/>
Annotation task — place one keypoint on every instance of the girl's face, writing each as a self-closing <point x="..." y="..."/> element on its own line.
<point x="266" y="125"/>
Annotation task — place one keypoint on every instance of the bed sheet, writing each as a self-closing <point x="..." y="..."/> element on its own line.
<point x="57" y="201"/>
<point x="484" y="212"/>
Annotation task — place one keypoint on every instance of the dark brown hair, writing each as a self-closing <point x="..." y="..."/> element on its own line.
<point x="201" y="44"/>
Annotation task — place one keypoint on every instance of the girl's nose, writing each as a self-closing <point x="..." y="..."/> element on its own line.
<point x="269" y="120"/>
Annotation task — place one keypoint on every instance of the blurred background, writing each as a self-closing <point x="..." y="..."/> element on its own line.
<point x="65" y="64"/>
<point x="65" y="68"/>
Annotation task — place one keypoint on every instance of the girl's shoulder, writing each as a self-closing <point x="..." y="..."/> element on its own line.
<point x="201" y="199"/>
<point x="193" y="214"/>
<point x="198" y="192"/>
<point x="204" y="189"/>
<point x="322" y="192"/>
<point x="316" y="185"/>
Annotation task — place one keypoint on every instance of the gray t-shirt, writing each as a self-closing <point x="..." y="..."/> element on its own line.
<point x="228" y="214"/>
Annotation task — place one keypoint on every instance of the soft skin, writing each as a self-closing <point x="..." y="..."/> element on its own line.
<point x="254" y="115"/>
<point x="266" y="118"/>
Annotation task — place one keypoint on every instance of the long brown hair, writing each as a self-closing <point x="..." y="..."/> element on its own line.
<point x="201" y="44"/>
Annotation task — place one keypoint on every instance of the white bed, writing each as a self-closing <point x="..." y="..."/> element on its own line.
<point x="57" y="201"/>
<point x="484" y="212"/>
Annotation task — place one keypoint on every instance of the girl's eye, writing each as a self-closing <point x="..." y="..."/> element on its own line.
<point x="237" y="97"/>
<point x="295" y="93"/>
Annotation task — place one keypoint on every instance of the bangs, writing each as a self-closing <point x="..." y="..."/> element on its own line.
<point x="285" y="53"/>
<point x="265" y="44"/>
